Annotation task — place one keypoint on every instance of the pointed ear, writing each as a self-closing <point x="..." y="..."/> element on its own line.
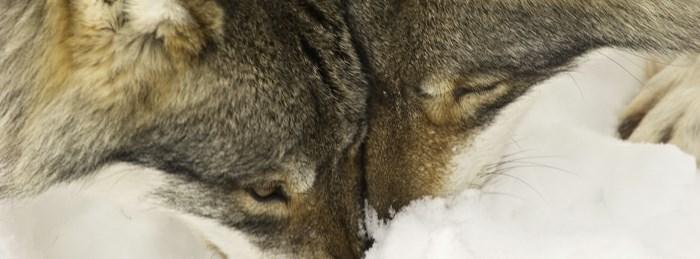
<point x="135" y="29"/>
<point x="110" y="50"/>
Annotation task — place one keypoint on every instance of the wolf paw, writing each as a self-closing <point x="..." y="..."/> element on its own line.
<point x="667" y="110"/>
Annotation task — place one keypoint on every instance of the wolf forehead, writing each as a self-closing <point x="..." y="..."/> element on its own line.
<point x="202" y="87"/>
<point x="262" y="94"/>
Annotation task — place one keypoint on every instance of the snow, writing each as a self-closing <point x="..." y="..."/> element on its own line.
<point x="571" y="189"/>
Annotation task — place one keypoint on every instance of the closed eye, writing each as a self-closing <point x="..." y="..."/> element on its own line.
<point x="460" y="91"/>
<point x="268" y="193"/>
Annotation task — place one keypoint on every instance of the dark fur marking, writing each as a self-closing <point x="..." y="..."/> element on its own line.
<point x="314" y="55"/>
<point x="629" y="124"/>
<point x="248" y="104"/>
<point x="315" y="13"/>
<point x="667" y="135"/>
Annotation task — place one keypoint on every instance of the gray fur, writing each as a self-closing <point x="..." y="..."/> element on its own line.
<point x="283" y="89"/>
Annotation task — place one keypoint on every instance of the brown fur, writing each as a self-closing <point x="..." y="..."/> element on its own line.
<point x="332" y="104"/>
<point x="110" y="68"/>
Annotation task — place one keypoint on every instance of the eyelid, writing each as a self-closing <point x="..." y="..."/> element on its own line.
<point x="276" y="193"/>
<point x="440" y="85"/>
<point x="460" y="91"/>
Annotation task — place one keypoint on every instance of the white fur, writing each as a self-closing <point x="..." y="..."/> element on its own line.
<point x="147" y="15"/>
<point x="142" y="182"/>
<point x="231" y="243"/>
<point x="144" y="15"/>
<point x="670" y="101"/>
<point x="598" y="198"/>
<point x="116" y="192"/>
<point x="472" y="157"/>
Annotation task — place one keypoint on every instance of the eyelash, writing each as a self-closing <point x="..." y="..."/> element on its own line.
<point x="460" y="92"/>
<point x="277" y="195"/>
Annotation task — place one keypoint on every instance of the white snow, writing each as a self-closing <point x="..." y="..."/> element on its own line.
<point x="571" y="190"/>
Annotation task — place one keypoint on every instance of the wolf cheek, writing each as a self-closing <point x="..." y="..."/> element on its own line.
<point x="242" y="102"/>
<point x="424" y="54"/>
<point x="252" y="110"/>
<point x="95" y="70"/>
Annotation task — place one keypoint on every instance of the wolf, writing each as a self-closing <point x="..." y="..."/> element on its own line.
<point x="285" y="121"/>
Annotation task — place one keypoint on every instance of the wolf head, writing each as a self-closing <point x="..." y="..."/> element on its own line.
<point x="280" y="119"/>
<point x="449" y="78"/>
<point x="253" y="108"/>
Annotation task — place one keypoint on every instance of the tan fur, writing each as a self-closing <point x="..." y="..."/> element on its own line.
<point x="354" y="103"/>
<point x="665" y="109"/>
<point x="106" y="73"/>
<point x="446" y="109"/>
<point x="112" y="65"/>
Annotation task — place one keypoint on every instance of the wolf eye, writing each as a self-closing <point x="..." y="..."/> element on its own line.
<point x="268" y="193"/>
<point x="460" y="91"/>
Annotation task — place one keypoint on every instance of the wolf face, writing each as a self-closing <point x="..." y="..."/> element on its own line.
<point x="253" y="108"/>
<point x="280" y="119"/>
<point x="449" y="78"/>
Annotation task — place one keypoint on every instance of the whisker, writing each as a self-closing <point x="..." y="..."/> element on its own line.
<point x="519" y="160"/>
<point x="519" y="152"/>
<point x="623" y="68"/>
<point x="522" y="151"/>
<point x="540" y="165"/>
<point x="657" y="61"/>
<point x="504" y="194"/>
<point x="515" y="142"/>
<point x="578" y="86"/>
<point x="518" y="179"/>
<point x="555" y="169"/>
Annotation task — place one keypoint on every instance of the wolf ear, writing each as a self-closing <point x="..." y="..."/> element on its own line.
<point x="141" y="29"/>
<point x="115" y="51"/>
<point x="103" y="47"/>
